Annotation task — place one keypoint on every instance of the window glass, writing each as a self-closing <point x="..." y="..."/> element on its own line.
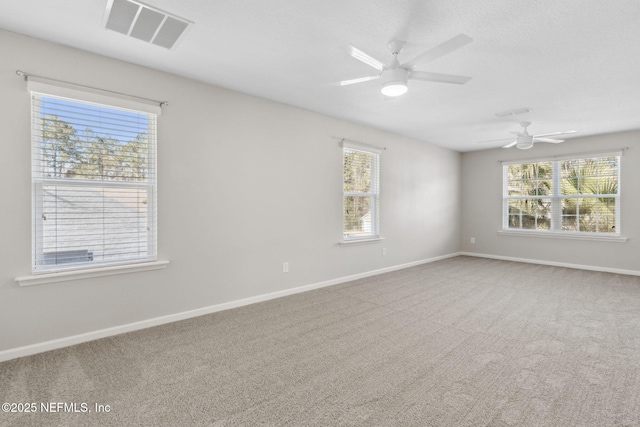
<point x="572" y="195"/>
<point x="361" y="193"/>
<point x="93" y="169"/>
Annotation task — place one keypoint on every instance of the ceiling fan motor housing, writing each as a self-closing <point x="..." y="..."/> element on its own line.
<point x="394" y="81"/>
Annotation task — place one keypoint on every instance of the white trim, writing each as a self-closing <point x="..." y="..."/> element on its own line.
<point x="570" y="236"/>
<point x="65" y="276"/>
<point x="93" y="183"/>
<point x="41" y="347"/>
<point x="359" y="241"/>
<point x="555" y="264"/>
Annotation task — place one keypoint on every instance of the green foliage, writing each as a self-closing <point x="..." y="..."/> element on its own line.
<point x="578" y="178"/>
<point x="592" y="176"/>
<point x="67" y="153"/>
<point x="132" y="159"/>
<point x="357" y="179"/>
<point x="357" y="171"/>
<point x="60" y="148"/>
<point x="535" y="180"/>
<point x="355" y="209"/>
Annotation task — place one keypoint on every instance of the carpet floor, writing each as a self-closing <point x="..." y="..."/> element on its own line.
<point x="460" y="342"/>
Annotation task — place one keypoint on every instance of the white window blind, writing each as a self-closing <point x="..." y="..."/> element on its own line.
<point x="570" y="195"/>
<point x="94" y="180"/>
<point x="361" y="191"/>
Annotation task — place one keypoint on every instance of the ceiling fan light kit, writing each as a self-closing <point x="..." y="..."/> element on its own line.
<point x="394" y="82"/>
<point x="525" y="144"/>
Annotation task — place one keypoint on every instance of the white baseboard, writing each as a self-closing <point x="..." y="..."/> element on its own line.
<point x="555" y="264"/>
<point x="156" y="321"/>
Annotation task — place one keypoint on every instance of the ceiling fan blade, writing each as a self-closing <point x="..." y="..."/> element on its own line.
<point x="447" y="47"/>
<point x="494" y="140"/>
<point x="366" y="58"/>
<point x="555" y="133"/>
<point x="437" y="77"/>
<point x="551" y="140"/>
<point x="358" y="80"/>
<point x="510" y="145"/>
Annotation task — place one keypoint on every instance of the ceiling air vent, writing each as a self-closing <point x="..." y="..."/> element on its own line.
<point x="515" y="112"/>
<point x="144" y="22"/>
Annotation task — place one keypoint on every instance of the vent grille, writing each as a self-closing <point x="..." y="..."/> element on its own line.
<point x="515" y="112"/>
<point x="145" y="23"/>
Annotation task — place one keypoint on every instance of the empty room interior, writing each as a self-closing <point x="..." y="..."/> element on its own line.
<point x="320" y="213"/>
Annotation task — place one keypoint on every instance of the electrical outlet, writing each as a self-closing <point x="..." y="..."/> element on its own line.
<point x="473" y="240"/>
<point x="285" y="267"/>
<point x="384" y="251"/>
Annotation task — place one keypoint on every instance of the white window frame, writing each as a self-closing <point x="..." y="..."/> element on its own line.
<point x="373" y="194"/>
<point x="40" y="87"/>
<point x="556" y="200"/>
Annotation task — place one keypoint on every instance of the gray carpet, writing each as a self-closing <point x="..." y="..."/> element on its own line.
<point x="460" y="342"/>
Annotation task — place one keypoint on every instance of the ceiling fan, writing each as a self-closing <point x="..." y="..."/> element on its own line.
<point x="525" y="141"/>
<point x="394" y="76"/>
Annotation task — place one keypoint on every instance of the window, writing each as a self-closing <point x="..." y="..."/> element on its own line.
<point x="93" y="180"/>
<point x="361" y="191"/>
<point x="563" y="195"/>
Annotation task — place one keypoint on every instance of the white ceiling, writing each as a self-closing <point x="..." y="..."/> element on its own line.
<point x="575" y="63"/>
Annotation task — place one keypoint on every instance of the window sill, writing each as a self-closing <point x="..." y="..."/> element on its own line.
<point x="360" y="241"/>
<point x="557" y="235"/>
<point x="65" y="276"/>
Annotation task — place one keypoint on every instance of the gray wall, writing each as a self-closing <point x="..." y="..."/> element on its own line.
<point x="482" y="206"/>
<point x="244" y="185"/>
